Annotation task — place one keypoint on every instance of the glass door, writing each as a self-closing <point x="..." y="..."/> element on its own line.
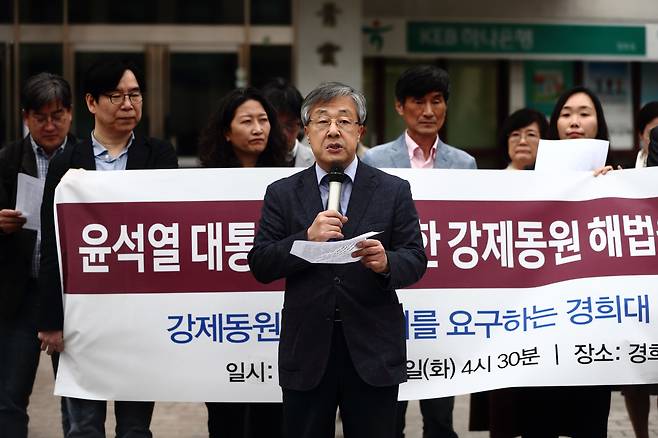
<point x="197" y="81"/>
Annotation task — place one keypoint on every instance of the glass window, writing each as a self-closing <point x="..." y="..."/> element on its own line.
<point x="271" y="12"/>
<point x="611" y="82"/>
<point x="157" y="11"/>
<point x="36" y="58"/>
<point x="198" y="81"/>
<point x="6" y="11"/>
<point x="649" y="88"/>
<point x="545" y="81"/>
<point x="268" y="62"/>
<point x="472" y="108"/>
<point x="207" y="12"/>
<point x="39" y="11"/>
<point x="83" y="120"/>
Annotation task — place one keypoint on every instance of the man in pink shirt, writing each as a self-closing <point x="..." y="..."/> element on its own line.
<point x="422" y="101"/>
<point x="421" y="95"/>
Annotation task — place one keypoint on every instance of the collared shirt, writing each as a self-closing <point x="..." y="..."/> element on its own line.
<point x="292" y="154"/>
<point x="104" y="161"/>
<point x="416" y="155"/>
<point x="42" y="161"/>
<point x="346" y="189"/>
<point x="641" y="160"/>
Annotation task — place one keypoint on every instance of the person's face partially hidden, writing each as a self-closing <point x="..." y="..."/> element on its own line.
<point x="290" y="126"/>
<point x="334" y="132"/>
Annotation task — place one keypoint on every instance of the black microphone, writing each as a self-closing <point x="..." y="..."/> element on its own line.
<point x="336" y="176"/>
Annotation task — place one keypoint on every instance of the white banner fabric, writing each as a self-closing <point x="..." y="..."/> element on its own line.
<point x="534" y="279"/>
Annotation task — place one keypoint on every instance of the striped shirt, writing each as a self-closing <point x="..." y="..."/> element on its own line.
<point x="42" y="160"/>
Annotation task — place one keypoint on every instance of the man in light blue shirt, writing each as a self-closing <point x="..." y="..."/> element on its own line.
<point x="114" y="95"/>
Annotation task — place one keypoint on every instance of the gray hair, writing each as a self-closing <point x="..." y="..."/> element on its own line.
<point x="44" y="88"/>
<point x="328" y="91"/>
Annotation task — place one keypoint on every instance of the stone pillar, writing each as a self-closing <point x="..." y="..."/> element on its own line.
<point x="328" y="43"/>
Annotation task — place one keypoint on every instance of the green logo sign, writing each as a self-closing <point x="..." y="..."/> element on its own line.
<point x="427" y="37"/>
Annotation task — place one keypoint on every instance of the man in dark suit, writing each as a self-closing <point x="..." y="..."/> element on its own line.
<point x="342" y="337"/>
<point x="46" y="107"/>
<point x="113" y="94"/>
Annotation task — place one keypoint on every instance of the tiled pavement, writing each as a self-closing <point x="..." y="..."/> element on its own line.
<point x="188" y="420"/>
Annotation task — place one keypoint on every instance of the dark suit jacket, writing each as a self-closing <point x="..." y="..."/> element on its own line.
<point x="373" y="322"/>
<point x="144" y="153"/>
<point x="16" y="248"/>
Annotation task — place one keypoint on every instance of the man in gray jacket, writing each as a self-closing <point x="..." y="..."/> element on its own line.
<point x="421" y="95"/>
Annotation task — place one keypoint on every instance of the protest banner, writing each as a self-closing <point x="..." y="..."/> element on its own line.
<point x="533" y="279"/>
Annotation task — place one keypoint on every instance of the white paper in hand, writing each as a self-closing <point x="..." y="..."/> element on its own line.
<point x="329" y="252"/>
<point x="575" y="154"/>
<point x="29" y="192"/>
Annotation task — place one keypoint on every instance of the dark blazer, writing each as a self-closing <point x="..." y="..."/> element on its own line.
<point x="16" y="248"/>
<point x="144" y="153"/>
<point x="373" y="322"/>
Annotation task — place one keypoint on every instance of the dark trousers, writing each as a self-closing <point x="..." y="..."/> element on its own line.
<point x="226" y="420"/>
<point x="87" y="418"/>
<point x="366" y="411"/>
<point x="264" y="420"/>
<point x="19" y="358"/>
<point x="574" y="411"/>
<point x="437" y="418"/>
<point x="54" y="358"/>
<point x="245" y="420"/>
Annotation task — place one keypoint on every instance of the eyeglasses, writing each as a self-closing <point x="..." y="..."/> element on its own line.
<point x="57" y="117"/>
<point x="323" y="124"/>
<point x="135" y="97"/>
<point x="516" y="136"/>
